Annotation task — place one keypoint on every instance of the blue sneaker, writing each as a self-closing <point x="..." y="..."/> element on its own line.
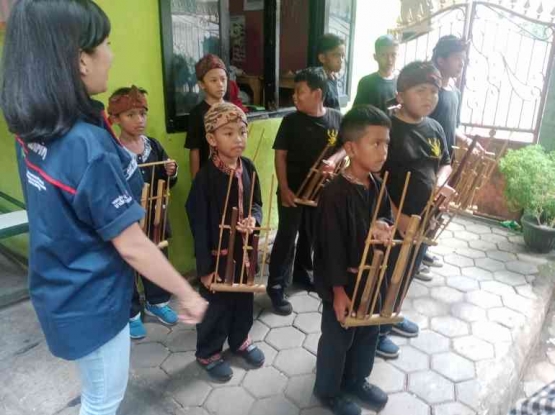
<point x="137" y="329"/>
<point x="386" y="348"/>
<point x="164" y="313"/>
<point x="405" y="328"/>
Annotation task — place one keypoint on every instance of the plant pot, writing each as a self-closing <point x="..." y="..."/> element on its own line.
<point x="537" y="237"/>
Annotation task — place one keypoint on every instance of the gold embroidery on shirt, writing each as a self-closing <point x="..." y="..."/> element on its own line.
<point x="332" y="137"/>
<point x="435" y="147"/>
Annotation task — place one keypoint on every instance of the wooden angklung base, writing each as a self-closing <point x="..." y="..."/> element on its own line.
<point x="247" y="279"/>
<point x="365" y="311"/>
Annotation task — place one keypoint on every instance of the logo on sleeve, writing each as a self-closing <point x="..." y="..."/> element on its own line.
<point x="435" y="147"/>
<point x="35" y="181"/>
<point x="122" y="200"/>
<point x="41" y="150"/>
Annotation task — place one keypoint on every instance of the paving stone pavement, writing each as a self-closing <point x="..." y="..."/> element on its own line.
<point x="479" y="318"/>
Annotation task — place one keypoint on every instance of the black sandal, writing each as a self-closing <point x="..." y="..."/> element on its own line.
<point x="253" y="355"/>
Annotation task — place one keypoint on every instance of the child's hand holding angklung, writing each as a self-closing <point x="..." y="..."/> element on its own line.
<point x="382" y="231"/>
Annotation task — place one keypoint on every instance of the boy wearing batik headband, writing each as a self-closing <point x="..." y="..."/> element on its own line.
<point x="418" y="146"/>
<point x="229" y="315"/>
<point x="128" y="108"/>
<point x="212" y="79"/>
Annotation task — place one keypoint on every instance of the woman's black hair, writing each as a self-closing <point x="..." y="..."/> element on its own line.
<point x="356" y="121"/>
<point x="42" y="94"/>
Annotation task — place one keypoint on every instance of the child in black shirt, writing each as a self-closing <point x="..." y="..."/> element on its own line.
<point x="346" y="356"/>
<point x="212" y="79"/>
<point x="379" y="88"/>
<point x="229" y="315"/>
<point x="128" y="108"/>
<point x="301" y="138"/>
<point x="331" y="54"/>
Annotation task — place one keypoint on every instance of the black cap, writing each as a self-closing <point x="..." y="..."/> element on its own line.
<point x="417" y="73"/>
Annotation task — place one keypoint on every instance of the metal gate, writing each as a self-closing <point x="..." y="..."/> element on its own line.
<point x="509" y="61"/>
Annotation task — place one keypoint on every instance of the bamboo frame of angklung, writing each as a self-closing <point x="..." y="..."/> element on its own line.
<point x="229" y="284"/>
<point x="364" y="315"/>
<point x="314" y="181"/>
<point x="159" y="198"/>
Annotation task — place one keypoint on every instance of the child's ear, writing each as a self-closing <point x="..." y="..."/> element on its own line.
<point x="349" y="149"/>
<point x="375" y="57"/>
<point x="211" y="138"/>
<point x="321" y="58"/>
<point x="114" y="119"/>
<point x="399" y="98"/>
<point x="201" y="85"/>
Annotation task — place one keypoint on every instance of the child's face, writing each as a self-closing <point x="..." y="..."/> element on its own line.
<point x="229" y="140"/>
<point x="420" y="100"/>
<point x="386" y="58"/>
<point x="305" y="99"/>
<point x="214" y="83"/>
<point x="370" y="150"/>
<point x="453" y="65"/>
<point x="332" y="60"/>
<point x="133" y="121"/>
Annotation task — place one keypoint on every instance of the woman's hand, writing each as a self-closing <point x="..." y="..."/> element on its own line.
<point x="192" y="308"/>
<point x="247" y="225"/>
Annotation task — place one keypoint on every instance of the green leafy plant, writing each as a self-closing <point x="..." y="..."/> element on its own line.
<point x="530" y="182"/>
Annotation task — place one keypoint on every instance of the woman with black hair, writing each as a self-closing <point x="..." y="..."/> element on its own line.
<point x="81" y="189"/>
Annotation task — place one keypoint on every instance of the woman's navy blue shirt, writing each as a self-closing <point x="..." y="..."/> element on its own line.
<point x="81" y="192"/>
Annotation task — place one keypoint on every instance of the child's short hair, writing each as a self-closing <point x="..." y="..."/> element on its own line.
<point x="328" y="42"/>
<point x="447" y="45"/>
<point x="126" y="98"/>
<point x="385" y="41"/>
<point x="315" y="78"/>
<point x="416" y="73"/>
<point x="358" y="119"/>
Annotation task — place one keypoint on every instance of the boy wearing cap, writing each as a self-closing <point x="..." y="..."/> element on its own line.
<point x="331" y="54"/>
<point x="212" y="79"/>
<point x="379" y="88"/>
<point x="128" y="108"/>
<point x="418" y="146"/>
<point x="229" y="315"/>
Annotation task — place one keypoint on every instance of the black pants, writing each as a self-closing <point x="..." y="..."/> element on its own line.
<point x="153" y="294"/>
<point x="345" y="356"/>
<point x="292" y="221"/>
<point x="229" y="316"/>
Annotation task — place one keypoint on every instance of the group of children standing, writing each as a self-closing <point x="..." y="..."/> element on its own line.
<point x="317" y="248"/>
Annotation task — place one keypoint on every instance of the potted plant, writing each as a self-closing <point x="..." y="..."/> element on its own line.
<point x="530" y="186"/>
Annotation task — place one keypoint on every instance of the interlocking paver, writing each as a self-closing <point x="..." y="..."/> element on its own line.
<point x="509" y="278"/>
<point x="299" y="391"/>
<point x="507" y="317"/>
<point x="430" y="342"/>
<point x="471" y="253"/>
<point x="477" y="274"/>
<point x="311" y="342"/>
<point x="453" y="366"/>
<point x="493" y="237"/>
<point x="419" y="319"/>
<point x="454" y="243"/>
<point x="276" y="405"/>
<point x="269" y="353"/>
<point x="431" y="387"/>
<point x="447" y="271"/>
<point x="453" y="408"/>
<point x="526" y="291"/>
<point x="468" y="312"/>
<point x="387" y="377"/>
<point x="482" y="245"/>
<point x="273" y="320"/>
<point x="405" y="403"/>
<point x="450" y="326"/>
<point x="417" y="290"/>
<point x="489" y="264"/>
<point x="148" y="355"/>
<point x="308" y="322"/>
<point x="305" y="304"/>
<point x="483" y="299"/>
<point x="295" y="362"/>
<point x="264" y="382"/>
<point x="454" y="226"/>
<point x="430" y="307"/>
<point x="190" y="391"/>
<point x="468" y="392"/>
<point x="496" y="287"/>
<point x="501" y="255"/>
<point x="466" y="235"/>
<point x="156" y="333"/>
<point x="447" y="295"/>
<point x="512" y="247"/>
<point x="258" y="331"/>
<point x="411" y="360"/>
<point x="520" y="304"/>
<point x="478" y="229"/>
<point x="536" y="259"/>
<point x="473" y="348"/>
<point x="229" y="401"/>
<point x="285" y="338"/>
<point x="464" y="284"/>
<point x="491" y="332"/>
<point x="182" y="341"/>
<point x="522" y="267"/>
<point x="181" y="364"/>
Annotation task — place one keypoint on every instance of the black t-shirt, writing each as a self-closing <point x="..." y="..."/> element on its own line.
<point x="375" y="90"/>
<point x="448" y="114"/>
<point x="196" y="134"/>
<point x="304" y="138"/>
<point x="420" y="149"/>
<point x="332" y="95"/>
